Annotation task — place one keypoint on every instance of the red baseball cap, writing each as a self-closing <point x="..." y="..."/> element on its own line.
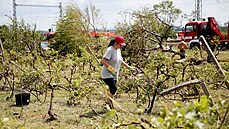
<point x="120" y="40"/>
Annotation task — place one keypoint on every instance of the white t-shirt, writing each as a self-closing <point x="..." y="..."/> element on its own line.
<point x="114" y="59"/>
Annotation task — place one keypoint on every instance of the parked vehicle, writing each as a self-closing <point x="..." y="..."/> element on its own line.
<point x="179" y="31"/>
<point x="209" y="29"/>
<point x="47" y="39"/>
<point x="45" y="45"/>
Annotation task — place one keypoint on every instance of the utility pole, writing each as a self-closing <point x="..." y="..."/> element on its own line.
<point x="198" y="4"/>
<point x="60" y="7"/>
<point x="14" y="9"/>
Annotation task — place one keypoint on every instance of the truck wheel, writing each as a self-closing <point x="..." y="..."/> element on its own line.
<point x="223" y="48"/>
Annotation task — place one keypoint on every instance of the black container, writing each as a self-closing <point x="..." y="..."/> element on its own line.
<point x="22" y="99"/>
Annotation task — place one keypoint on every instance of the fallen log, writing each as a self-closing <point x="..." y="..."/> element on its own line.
<point x="185" y="84"/>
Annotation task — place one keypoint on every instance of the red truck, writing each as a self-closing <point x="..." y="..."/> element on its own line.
<point x="209" y="29"/>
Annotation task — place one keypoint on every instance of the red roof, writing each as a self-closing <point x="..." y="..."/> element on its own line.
<point x="109" y="34"/>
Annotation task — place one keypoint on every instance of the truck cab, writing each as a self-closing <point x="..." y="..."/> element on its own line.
<point x="193" y="30"/>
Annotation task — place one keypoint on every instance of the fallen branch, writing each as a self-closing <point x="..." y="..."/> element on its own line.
<point x="93" y="54"/>
<point x="179" y="86"/>
<point x="134" y="123"/>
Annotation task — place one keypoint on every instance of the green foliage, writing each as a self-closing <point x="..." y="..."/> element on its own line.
<point x="19" y="37"/>
<point x="4" y="123"/>
<point x="162" y="72"/>
<point x="2" y="29"/>
<point x="197" y="115"/>
<point x="225" y="66"/>
<point x="224" y="31"/>
<point x="110" y="114"/>
<point x="167" y="11"/>
<point x="146" y="30"/>
<point x="73" y="30"/>
<point x="31" y="80"/>
<point x="70" y="32"/>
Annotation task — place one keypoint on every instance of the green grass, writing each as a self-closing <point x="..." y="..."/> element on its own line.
<point x="223" y="56"/>
<point x="83" y="115"/>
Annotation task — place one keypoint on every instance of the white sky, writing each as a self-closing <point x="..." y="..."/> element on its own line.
<point x="109" y="9"/>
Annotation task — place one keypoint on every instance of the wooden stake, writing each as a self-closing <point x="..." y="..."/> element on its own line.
<point x="1" y="50"/>
<point x="213" y="58"/>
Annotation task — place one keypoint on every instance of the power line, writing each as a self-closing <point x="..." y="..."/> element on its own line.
<point x="214" y="3"/>
<point x="36" y="5"/>
<point x="30" y="5"/>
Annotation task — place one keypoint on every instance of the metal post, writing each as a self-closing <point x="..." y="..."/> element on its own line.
<point x="1" y="50"/>
<point x="14" y="10"/>
<point x="228" y="30"/>
<point x="60" y="6"/>
<point x="198" y="9"/>
<point x="206" y="92"/>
